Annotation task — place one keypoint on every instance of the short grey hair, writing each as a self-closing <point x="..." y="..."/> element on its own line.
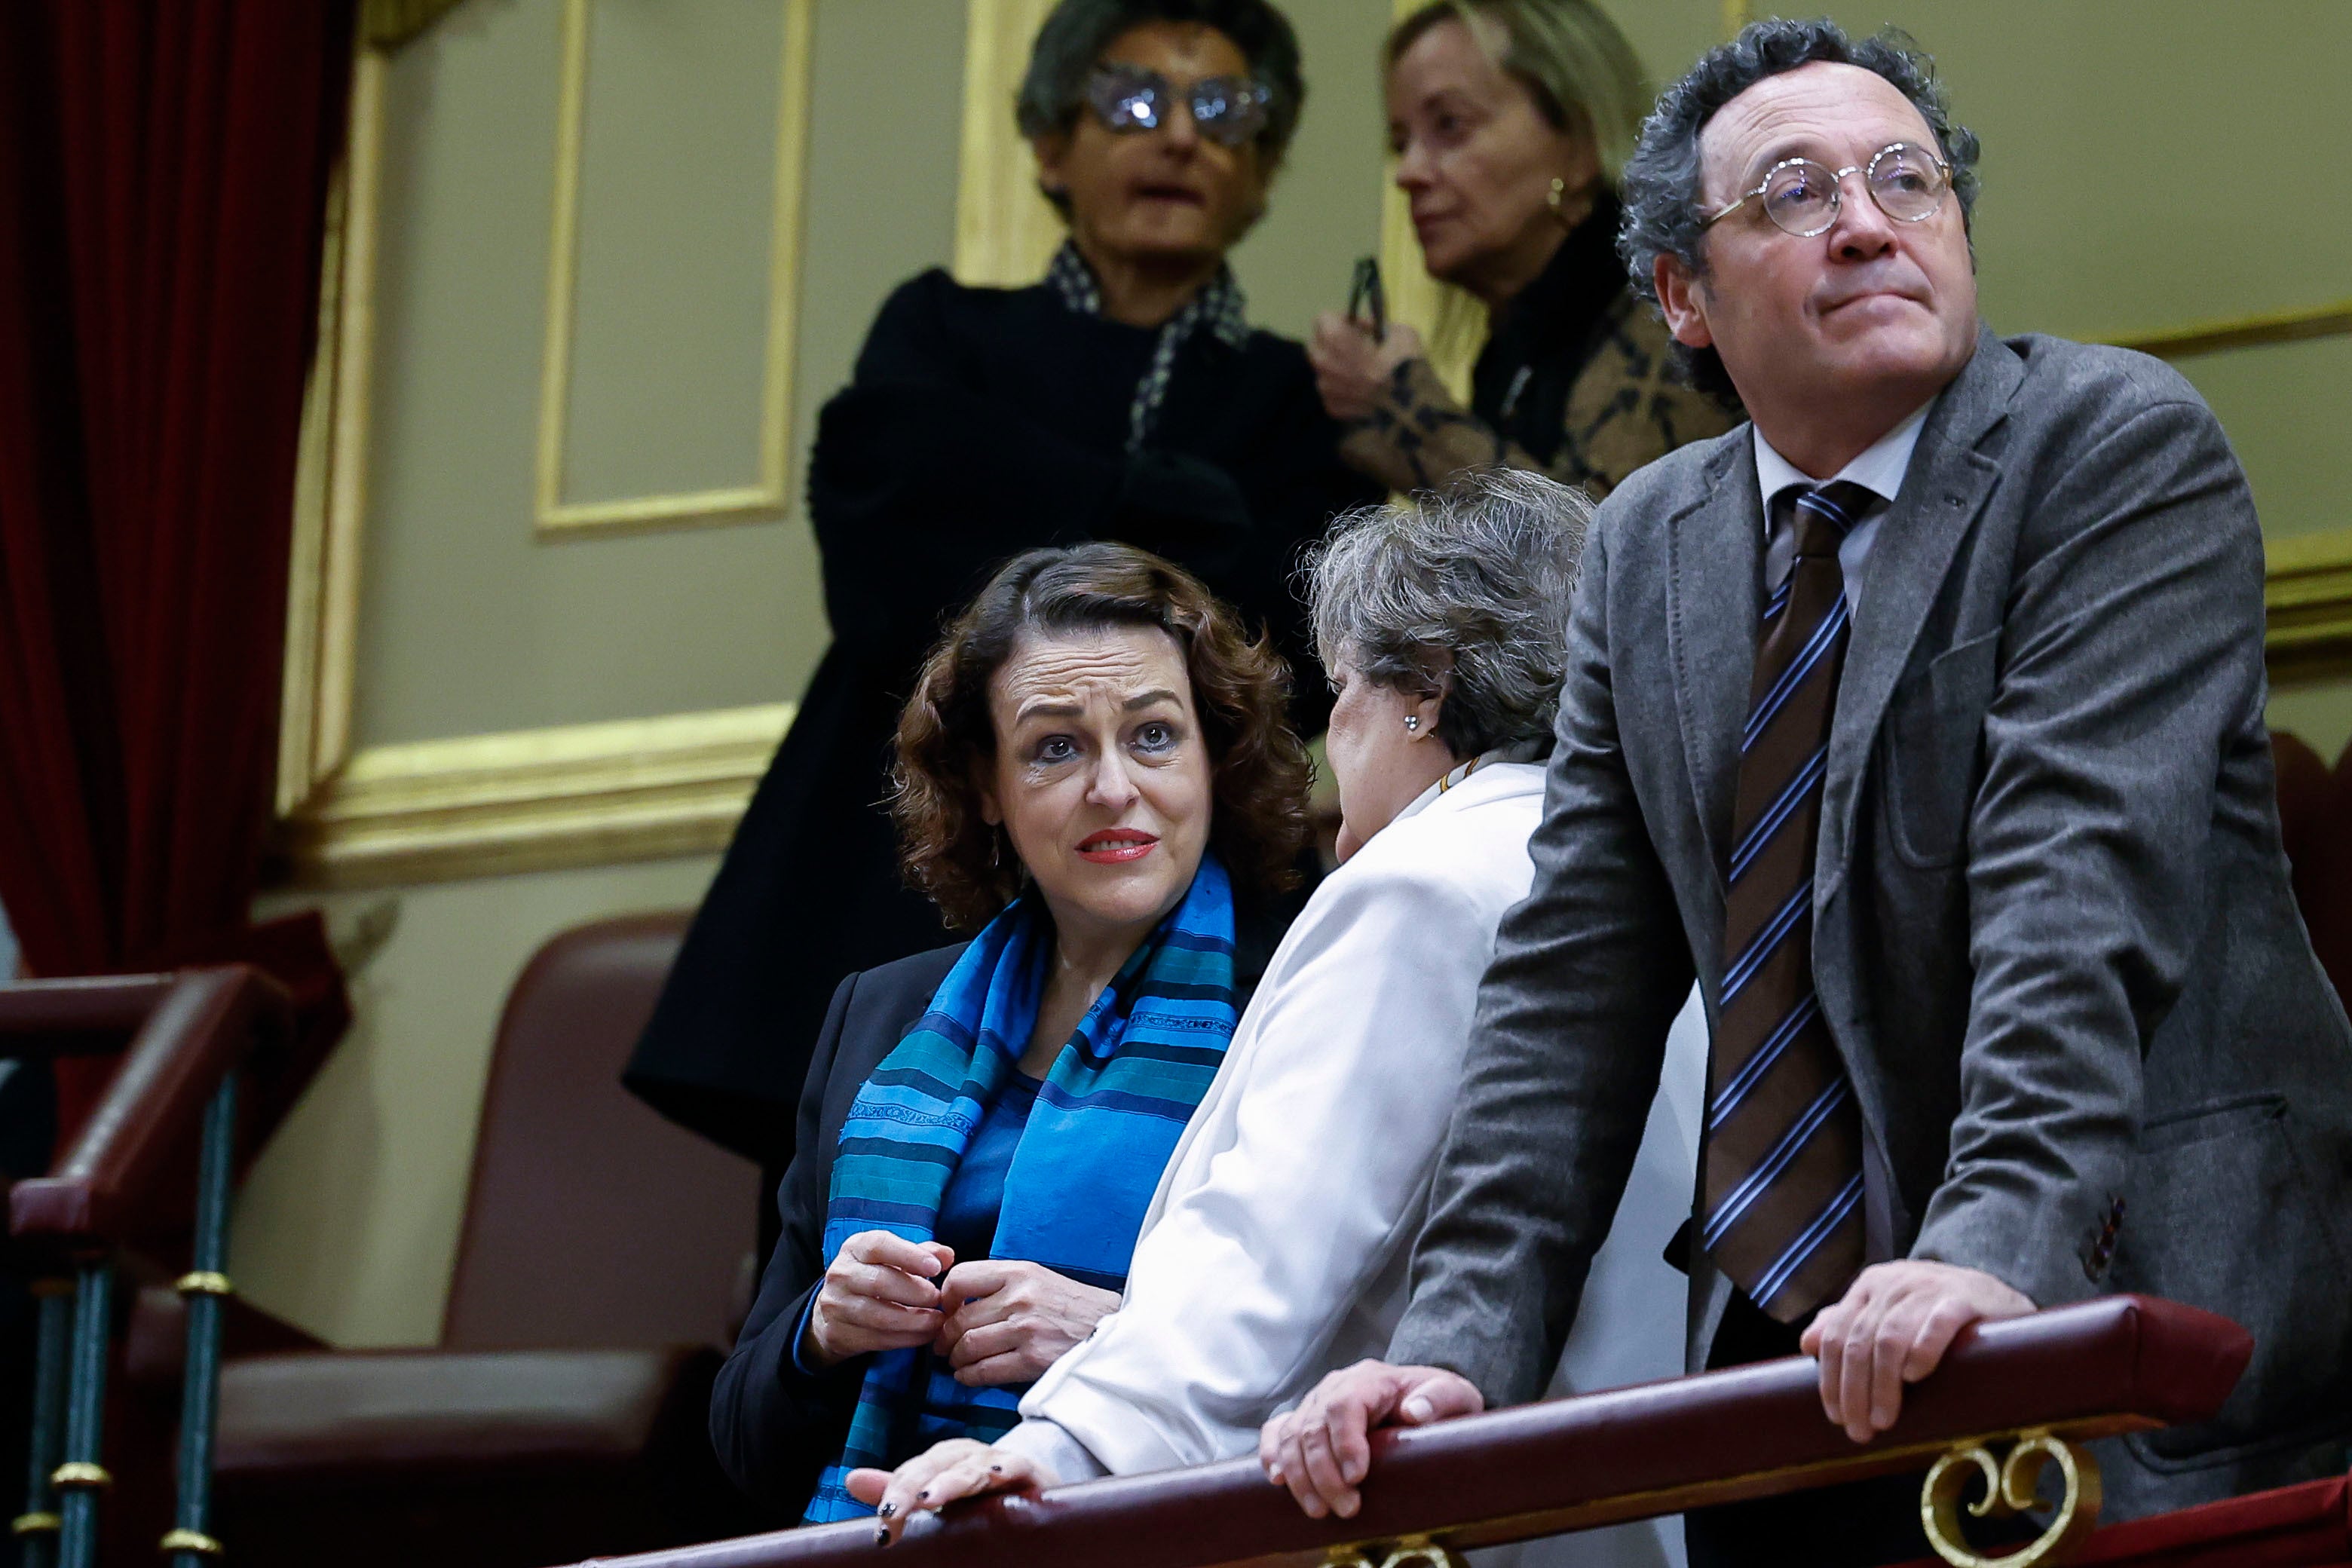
<point x="1472" y="580"/>
<point x="1071" y="44"/>
<point x="1665" y="199"/>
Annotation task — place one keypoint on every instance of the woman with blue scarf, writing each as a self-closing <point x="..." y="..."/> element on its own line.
<point x="1094" y="770"/>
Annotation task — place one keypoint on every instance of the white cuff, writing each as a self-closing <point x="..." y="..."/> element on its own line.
<point x="1045" y="1442"/>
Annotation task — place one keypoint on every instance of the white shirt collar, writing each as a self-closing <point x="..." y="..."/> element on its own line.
<point x="1881" y="465"/>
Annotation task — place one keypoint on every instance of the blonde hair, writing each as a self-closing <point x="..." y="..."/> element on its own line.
<point x="1585" y="77"/>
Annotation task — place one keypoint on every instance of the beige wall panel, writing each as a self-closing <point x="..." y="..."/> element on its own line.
<point x="677" y="174"/>
<point x="348" y="1224"/>
<point x="466" y="624"/>
<point x="2321" y="715"/>
<point x="1325" y="209"/>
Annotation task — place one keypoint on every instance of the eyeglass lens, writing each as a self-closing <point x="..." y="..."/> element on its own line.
<point x="1801" y="197"/>
<point x="1226" y="108"/>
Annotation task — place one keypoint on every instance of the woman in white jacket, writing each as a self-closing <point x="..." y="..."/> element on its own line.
<point x="1277" y="1245"/>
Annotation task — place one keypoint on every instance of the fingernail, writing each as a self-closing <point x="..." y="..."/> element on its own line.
<point x="1417" y="1407"/>
<point x="881" y="1537"/>
<point x="889" y="1509"/>
<point x="1274" y="1474"/>
<point x="996" y="1469"/>
<point x="923" y="1496"/>
<point x="1348" y="1506"/>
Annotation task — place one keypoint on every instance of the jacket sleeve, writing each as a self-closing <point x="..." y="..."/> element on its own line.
<point x="2129" y="658"/>
<point x="773" y="1425"/>
<point x="1238" y="1287"/>
<point x="1565" y="1054"/>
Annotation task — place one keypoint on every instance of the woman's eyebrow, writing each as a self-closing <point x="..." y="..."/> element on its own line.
<point x="1146" y="699"/>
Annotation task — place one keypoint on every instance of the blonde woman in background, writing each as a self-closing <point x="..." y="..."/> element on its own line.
<point x="1510" y="120"/>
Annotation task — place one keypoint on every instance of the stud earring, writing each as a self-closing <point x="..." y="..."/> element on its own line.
<point x="1413" y="722"/>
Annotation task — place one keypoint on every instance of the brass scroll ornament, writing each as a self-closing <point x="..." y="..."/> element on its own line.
<point x="2011" y="1489"/>
<point x="1409" y="1551"/>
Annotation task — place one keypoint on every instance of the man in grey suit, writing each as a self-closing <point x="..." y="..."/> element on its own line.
<point x="1922" y="721"/>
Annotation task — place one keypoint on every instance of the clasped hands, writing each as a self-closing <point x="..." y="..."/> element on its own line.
<point x="995" y="1322"/>
<point x="1891" y="1327"/>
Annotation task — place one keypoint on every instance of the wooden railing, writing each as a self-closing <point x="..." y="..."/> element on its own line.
<point x="169" y="1112"/>
<point x="2043" y="1382"/>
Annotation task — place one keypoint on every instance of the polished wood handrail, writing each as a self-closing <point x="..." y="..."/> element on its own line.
<point x="185" y="1032"/>
<point x="2115" y="1364"/>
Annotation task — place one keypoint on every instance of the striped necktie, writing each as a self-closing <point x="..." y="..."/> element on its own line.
<point x="1783" y="1161"/>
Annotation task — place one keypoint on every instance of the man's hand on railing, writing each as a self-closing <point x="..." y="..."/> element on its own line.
<point x="945" y="1473"/>
<point x="1321" y="1448"/>
<point x="1892" y="1327"/>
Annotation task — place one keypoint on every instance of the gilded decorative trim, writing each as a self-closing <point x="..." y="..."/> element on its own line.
<point x="2245" y="332"/>
<point x="1005" y="231"/>
<point x="2010" y="1490"/>
<point x="2308" y="595"/>
<point x="330" y="469"/>
<point x="533" y="800"/>
<point x="194" y="1541"/>
<point x="435" y="810"/>
<point x="769" y="497"/>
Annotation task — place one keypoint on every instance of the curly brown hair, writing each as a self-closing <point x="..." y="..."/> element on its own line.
<point x="946" y="738"/>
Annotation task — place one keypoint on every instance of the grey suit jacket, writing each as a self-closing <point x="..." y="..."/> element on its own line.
<point x="2054" y="938"/>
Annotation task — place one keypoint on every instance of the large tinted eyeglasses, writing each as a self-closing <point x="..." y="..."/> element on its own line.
<point x="1229" y="109"/>
<point x="1801" y="197"/>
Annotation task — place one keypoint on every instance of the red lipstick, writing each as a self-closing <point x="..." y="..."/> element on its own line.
<point x="1116" y="846"/>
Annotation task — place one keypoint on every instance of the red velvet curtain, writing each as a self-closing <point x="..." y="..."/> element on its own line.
<point x="163" y="166"/>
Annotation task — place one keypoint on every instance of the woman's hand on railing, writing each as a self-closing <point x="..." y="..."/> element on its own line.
<point x="947" y="1472"/>
<point x="1006" y="1321"/>
<point x="877" y="1295"/>
<point x="1321" y="1448"/>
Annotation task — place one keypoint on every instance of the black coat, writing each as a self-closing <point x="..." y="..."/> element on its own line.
<point x="980" y="422"/>
<point x="775" y="1428"/>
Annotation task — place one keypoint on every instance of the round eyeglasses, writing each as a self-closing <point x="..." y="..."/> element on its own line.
<point x="1131" y="100"/>
<point x="1801" y="197"/>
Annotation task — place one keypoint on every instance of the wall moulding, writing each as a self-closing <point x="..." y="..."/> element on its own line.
<point x="496" y="804"/>
<point x="2308" y="595"/>
<point x="533" y="800"/>
<point x="1005" y="233"/>
<point x="769" y="497"/>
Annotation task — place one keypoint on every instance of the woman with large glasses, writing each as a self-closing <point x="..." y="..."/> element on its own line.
<point x="1125" y="397"/>
<point x="1510" y="119"/>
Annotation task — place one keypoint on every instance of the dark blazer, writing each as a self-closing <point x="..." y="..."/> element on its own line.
<point x="2054" y="937"/>
<point x="980" y="422"/>
<point x="775" y="1427"/>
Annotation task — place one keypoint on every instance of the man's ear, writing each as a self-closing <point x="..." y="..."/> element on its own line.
<point x="1682" y="299"/>
<point x="1053" y="148"/>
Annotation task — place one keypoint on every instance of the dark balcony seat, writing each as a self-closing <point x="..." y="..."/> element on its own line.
<point x="599" y="1273"/>
<point x="2316" y="822"/>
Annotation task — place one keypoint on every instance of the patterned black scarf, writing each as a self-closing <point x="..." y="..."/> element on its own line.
<point x="1217" y="310"/>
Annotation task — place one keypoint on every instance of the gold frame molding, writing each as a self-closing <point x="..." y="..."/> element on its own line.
<point x="480" y="805"/>
<point x="554" y="517"/>
<point x="534" y="800"/>
<point x="1005" y="232"/>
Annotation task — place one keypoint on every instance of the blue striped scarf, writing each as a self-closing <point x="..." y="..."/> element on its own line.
<point x="1104" y="1125"/>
